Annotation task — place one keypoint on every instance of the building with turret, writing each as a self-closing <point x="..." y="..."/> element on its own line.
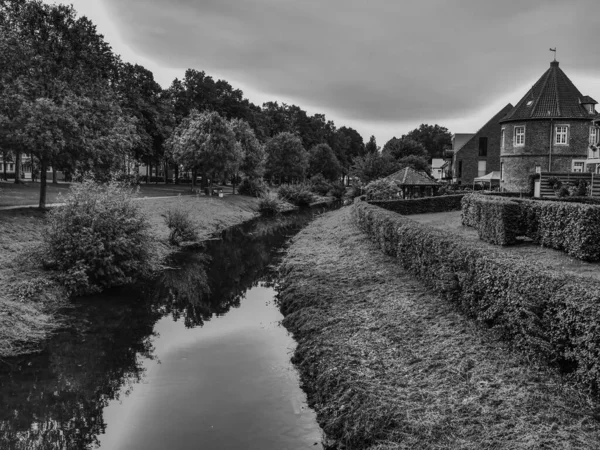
<point x="549" y="130"/>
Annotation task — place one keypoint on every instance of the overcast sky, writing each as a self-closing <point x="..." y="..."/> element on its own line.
<point x="380" y="66"/>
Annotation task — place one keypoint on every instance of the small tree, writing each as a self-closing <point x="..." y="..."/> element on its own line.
<point x="322" y="160"/>
<point x="415" y="162"/>
<point x="286" y="157"/>
<point x="254" y="155"/>
<point x="373" y="166"/>
<point x="401" y="148"/>
<point x="371" y="146"/>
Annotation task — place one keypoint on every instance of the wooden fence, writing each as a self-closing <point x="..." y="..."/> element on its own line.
<point x="569" y="177"/>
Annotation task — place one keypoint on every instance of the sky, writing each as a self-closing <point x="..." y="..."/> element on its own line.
<point x="382" y="67"/>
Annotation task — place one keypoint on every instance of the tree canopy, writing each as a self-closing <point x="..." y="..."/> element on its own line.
<point x="434" y="138"/>
<point x="401" y="148"/>
<point x="323" y="161"/>
<point x="286" y="156"/>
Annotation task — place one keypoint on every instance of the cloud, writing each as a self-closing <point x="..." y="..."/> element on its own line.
<point x="381" y="61"/>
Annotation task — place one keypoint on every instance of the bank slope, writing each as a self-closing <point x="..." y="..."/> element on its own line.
<point x="387" y="364"/>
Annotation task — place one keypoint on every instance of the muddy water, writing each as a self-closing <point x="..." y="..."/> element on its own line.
<point x="196" y="360"/>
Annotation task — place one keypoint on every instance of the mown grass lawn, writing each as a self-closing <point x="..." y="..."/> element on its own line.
<point x="388" y="364"/>
<point x="29" y="193"/>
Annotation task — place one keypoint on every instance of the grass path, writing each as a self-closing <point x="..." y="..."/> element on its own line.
<point x="389" y="365"/>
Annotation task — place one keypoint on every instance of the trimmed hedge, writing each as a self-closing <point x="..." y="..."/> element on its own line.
<point x="497" y="220"/>
<point x="570" y="227"/>
<point x="541" y="312"/>
<point x="422" y="205"/>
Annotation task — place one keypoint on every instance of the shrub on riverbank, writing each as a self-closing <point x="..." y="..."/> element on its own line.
<point x="296" y="194"/>
<point x="99" y="238"/>
<point x="181" y="226"/>
<point x="544" y="313"/>
<point x="252" y="188"/>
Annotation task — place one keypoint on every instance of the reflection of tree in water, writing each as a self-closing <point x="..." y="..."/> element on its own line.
<point x="55" y="399"/>
<point x="213" y="281"/>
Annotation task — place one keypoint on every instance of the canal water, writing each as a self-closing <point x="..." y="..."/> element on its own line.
<point x="195" y="360"/>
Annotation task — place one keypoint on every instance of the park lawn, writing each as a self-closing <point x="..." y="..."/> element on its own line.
<point x="388" y="364"/>
<point x="28" y="193"/>
<point x="542" y="256"/>
<point x="30" y="300"/>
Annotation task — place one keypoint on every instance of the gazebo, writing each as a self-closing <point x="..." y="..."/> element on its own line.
<point x="414" y="183"/>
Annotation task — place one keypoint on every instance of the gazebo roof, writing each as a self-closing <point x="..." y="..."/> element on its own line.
<point x="411" y="177"/>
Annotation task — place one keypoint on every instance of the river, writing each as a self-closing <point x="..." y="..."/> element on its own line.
<point x="196" y="359"/>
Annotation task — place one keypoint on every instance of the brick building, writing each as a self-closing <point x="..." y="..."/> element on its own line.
<point x="480" y="154"/>
<point x="549" y="130"/>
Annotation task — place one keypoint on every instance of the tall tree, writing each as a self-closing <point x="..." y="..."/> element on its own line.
<point x="254" y="155"/>
<point x="371" y="146"/>
<point x="433" y="137"/>
<point x="205" y="142"/>
<point x="373" y="166"/>
<point x="322" y="160"/>
<point x="286" y="157"/>
<point x="356" y="145"/>
<point x="401" y="148"/>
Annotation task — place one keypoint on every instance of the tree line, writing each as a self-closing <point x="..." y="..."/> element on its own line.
<point x="75" y="106"/>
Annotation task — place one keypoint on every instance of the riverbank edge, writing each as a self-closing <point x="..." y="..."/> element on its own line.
<point x="30" y="309"/>
<point x="387" y="364"/>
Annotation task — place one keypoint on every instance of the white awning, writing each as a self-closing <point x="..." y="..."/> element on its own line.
<point x="492" y="176"/>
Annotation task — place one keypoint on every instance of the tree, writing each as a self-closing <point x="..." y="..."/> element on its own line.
<point x="286" y="157"/>
<point x="371" y="146"/>
<point x="322" y="160"/>
<point x="373" y="166"/>
<point x="415" y="162"/>
<point x="356" y="145"/>
<point x="254" y="155"/>
<point x="205" y="141"/>
<point x="400" y="148"/>
<point x="433" y="137"/>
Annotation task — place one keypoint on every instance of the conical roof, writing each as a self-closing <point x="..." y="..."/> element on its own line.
<point x="554" y="96"/>
<point x="411" y="177"/>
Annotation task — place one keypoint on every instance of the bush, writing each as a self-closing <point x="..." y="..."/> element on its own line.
<point x="252" y="188"/>
<point x="296" y="194"/>
<point x="338" y="190"/>
<point x="319" y="185"/>
<point x="181" y="225"/>
<point x="422" y="205"/>
<point x="382" y="190"/>
<point x="543" y="313"/>
<point x="269" y="205"/>
<point x="99" y="238"/>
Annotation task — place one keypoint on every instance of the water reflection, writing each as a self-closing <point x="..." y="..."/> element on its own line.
<point x="56" y="399"/>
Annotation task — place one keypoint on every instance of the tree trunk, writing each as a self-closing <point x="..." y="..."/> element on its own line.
<point x="166" y="177"/>
<point x="18" y="167"/>
<point x="176" y="174"/>
<point x="233" y="183"/>
<point x="44" y="168"/>
<point x="193" y="179"/>
<point x="4" y="163"/>
<point x="54" y="179"/>
<point x="148" y="172"/>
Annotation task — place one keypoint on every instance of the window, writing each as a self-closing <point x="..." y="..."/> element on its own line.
<point x="530" y="102"/>
<point x="481" y="168"/>
<point x="502" y="171"/>
<point x="590" y="108"/>
<point x="594" y="135"/>
<point x="578" y="166"/>
<point x="502" y="138"/>
<point x="519" y="136"/>
<point x="483" y="141"/>
<point x="11" y="167"/>
<point x="460" y="169"/>
<point x="561" y="135"/>
<point x="538" y="168"/>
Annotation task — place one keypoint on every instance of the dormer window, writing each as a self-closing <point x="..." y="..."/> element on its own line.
<point x="590" y="108"/>
<point x="530" y="102"/>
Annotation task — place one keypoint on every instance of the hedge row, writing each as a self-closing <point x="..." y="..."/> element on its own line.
<point x="541" y="312"/>
<point x="570" y="227"/>
<point x="422" y="205"/>
<point x="497" y="220"/>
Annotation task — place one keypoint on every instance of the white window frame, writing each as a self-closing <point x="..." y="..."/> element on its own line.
<point x="563" y="136"/>
<point x="501" y="171"/>
<point x="538" y="168"/>
<point x="516" y="135"/>
<point x="502" y="138"/>
<point x="594" y="135"/>
<point x="578" y="161"/>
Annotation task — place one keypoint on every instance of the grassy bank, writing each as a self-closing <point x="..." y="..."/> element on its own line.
<point x="389" y="365"/>
<point x="30" y="299"/>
